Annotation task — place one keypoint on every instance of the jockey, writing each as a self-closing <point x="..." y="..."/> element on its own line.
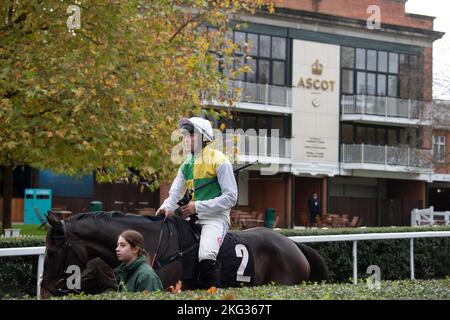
<point x="212" y="203"/>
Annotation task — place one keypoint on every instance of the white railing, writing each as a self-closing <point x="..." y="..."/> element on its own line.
<point x="40" y="251"/>
<point x="422" y="217"/>
<point x="383" y="106"/>
<point x="385" y="155"/>
<point x="28" y="251"/>
<point x="263" y="93"/>
<point x="374" y="236"/>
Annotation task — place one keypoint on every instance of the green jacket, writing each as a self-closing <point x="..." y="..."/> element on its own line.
<point x="138" y="276"/>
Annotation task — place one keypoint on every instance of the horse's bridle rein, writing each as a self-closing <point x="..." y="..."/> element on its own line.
<point x="67" y="245"/>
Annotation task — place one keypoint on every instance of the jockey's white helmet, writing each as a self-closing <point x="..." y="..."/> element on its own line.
<point x="201" y="125"/>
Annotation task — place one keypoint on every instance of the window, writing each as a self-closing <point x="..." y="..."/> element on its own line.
<point x="373" y="73"/>
<point x="360" y="58"/>
<point x="361" y="83"/>
<point x="392" y="86"/>
<point x="278" y="72"/>
<point x="252" y="42"/>
<point x="382" y="61"/>
<point x="439" y="148"/>
<point x="347" y="81"/>
<point x="371" y="82"/>
<point x="264" y="46"/>
<point x="348" y="57"/>
<point x="392" y="137"/>
<point x="371" y="60"/>
<point x="264" y="55"/>
<point x="347" y="134"/>
<point x="393" y="62"/>
<point x="381" y="85"/>
<point x="278" y="48"/>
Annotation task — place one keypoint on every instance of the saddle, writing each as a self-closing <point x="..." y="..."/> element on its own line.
<point x="235" y="257"/>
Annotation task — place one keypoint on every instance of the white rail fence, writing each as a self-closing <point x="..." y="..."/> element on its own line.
<point x="40" y="251"/>
<point x="421" y="217"/>
<point x="385" y="155"/>
<point x="384" y="106"/>
<point x="373" y="236"/>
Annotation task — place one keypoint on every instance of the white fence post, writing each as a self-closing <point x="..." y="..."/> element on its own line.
<point x="411" y="257"/>
<point x="355" y="262"/>
<point x="40" y="271"/>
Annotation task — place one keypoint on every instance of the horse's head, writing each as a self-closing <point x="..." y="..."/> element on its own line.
<point x="62" y="251"/>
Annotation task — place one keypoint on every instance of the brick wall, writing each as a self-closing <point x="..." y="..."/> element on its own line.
<point x="392" y="11"/>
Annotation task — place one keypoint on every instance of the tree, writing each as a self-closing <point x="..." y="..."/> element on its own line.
<point x="105" y="96"/>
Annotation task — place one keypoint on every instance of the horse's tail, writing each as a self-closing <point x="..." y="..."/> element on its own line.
<point x="319" y="270"/>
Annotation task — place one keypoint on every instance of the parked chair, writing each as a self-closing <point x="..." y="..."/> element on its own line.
<point x="354" y="222"/>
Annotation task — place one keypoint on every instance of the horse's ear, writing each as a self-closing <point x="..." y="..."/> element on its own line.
<point x="53" y="220"/>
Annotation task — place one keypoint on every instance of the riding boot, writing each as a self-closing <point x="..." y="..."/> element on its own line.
<point x="209" y="274"/>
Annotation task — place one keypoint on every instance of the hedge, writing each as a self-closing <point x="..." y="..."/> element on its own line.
<point x="392" y="290"/>
<point x="18" y="274"/>
<point x="432" y="257"/>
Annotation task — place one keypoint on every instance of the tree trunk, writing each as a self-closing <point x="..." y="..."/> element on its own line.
<point x="7" y="175"/>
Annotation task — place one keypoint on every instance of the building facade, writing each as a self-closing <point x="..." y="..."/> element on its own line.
<point x="353" y="107"/>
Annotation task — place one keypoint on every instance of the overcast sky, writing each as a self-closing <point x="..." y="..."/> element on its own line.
<point x="441" y="10"/>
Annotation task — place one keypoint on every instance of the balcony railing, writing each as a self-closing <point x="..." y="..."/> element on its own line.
<point x="261" y="146"/>
<point x="383" y="106"/>
<point x="263" y="93"/>
<point x="385" y="155"/>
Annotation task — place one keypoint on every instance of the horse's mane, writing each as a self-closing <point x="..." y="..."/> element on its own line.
<point x="108" y="215"/>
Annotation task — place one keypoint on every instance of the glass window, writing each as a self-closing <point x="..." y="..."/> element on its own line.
<point x="403" y="136"/>
<point x="360" y="58"/>
<point x="393" y="62"/>
<point x="382" y="61"/>
<point x="371" y="60"/>
<point x="238" y="64"/>
<point x="251" y="75"/>
<point x="252" y="42"/>
<point x="381" y="136"/>
<point x="248" y="122"/>
<point x="348" y="57"/>
<point x="371" y="81"/>
<point x="381" y="85"/>
<point x="278" y="48"/>
<point x="439" y="148"/>
<point x="370" y="136"/>
<point x="262" y="122"/>
<point x="347" y="134"/>
<point x="347" y="81"/>
<point x="264" y="46"/>
<point x="360" y="133"/>
<point x="239" y="40"/>
<point x="263" y="71"/>
<point x="278" y="73"/>
<point x="278" y="123"/>
<point x="361" y="83"/>
<point x="392" y="137"/>
<point x="392" y="86"/>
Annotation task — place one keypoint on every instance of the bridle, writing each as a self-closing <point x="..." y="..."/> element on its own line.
<point x="62" y="276"/>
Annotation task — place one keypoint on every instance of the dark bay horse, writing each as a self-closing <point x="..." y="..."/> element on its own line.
<point x="79" y="238"/>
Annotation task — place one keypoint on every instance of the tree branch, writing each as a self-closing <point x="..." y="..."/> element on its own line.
<point x="185" y="25"/>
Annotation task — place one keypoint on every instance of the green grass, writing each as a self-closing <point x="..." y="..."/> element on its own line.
<point x="390" y="290"/>
<point x="30" y="229"/>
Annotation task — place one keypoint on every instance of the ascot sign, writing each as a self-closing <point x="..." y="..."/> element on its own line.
<point x="314" y="83"/>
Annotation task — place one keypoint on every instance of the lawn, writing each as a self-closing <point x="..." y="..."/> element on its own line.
<point x="30" y="229"/>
